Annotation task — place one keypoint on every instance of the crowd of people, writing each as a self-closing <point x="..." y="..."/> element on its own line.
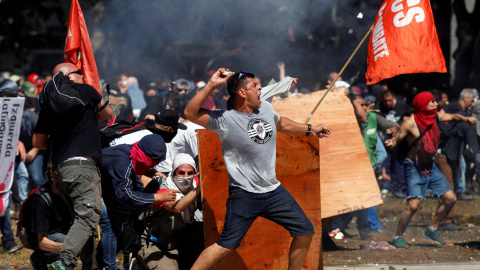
<point x="417" y="143"/>
<point x="131" y="167"/>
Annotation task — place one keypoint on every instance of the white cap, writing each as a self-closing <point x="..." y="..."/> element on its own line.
<point x="181" y="159"/>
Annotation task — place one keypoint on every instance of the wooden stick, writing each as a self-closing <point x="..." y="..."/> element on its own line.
<point x="339" y="74"/>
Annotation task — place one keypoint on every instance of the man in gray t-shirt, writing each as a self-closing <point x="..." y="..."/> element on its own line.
<point x="248" y="147"/>
<point x="248" y="131"/>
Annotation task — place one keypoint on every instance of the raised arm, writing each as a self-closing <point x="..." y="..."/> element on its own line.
<point x="443" y="116"/>
<point x="286" y="125"/>
<point x="281" y="69"/>
<point x="360" y="112"/>
<point x="194" y="111"/>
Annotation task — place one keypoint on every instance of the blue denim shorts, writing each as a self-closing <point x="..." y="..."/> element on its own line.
<point x="278" y="206"/>
<point x="417" y="183"/>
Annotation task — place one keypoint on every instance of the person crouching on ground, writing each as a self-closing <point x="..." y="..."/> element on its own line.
<point x="176" y="227"/>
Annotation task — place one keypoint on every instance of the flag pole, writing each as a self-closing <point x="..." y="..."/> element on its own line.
<point x="339" y="74"/>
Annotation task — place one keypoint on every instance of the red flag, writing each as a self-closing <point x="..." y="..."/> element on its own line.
<point x="404" y="40"/>
<point x="78" y="49"/>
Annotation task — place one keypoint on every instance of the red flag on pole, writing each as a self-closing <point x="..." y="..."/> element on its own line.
<point x="78" y="49"/>
<point x="404" y="40"/>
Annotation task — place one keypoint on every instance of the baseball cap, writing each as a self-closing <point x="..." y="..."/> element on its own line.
<point x="153" y="146"/>
<point x="169" y="118"/>
<point x="29" y="89"/>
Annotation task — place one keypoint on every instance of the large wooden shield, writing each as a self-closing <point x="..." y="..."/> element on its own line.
<point x="266" y="244"/>
<point x="346" y="176"/>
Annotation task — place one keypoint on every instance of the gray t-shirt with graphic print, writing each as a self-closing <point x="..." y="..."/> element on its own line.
<point x="248" y="147"/>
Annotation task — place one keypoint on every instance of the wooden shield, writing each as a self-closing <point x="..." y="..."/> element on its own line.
<point x="346" y="175"/>
<point x="266" y="244"/>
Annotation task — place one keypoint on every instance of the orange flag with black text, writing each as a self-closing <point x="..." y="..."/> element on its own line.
<point x="78" y="49"/>
<point x="404" y="40"/>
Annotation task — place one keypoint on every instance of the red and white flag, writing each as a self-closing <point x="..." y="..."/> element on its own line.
<point x="404" y="40"/>
<point x="78" y="49"/>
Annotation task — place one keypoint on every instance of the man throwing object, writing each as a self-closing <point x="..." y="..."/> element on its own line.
<point x="422" y="134"/>
<point x="248" y="131"/>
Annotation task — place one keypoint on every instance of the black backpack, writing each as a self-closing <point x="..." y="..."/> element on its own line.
<point x="117" y="126"/>
<point x="26" y="236"/>
<point x="59" y="98"/>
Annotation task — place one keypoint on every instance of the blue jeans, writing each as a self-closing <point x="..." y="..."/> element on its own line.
<point x="107" y="248"/>
<point x="418" y="183"/>
<point x="461" y="175"/>
<point x="477" y="161"/>
<point x="6" y="225"/>
<point x="22" y="181"/>
<point x="30" y="176"/>
<point x="122" y="234"/>
<point x="395" y="170"/>
<point x="40" y="258"/>
<point x="35" y="169"/>
<point x="382" y="156"/>
<point x="373" y="220"/>
<point x="278" y="206"/>
<point x="342" y="221"/>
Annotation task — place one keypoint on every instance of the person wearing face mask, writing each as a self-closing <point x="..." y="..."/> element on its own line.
<point x="165" y="123"/>
<point x="122" y="189"/>
<point x="422" y="136"/>
<point x="176" y="99"/>
<point x="174" y="238"/>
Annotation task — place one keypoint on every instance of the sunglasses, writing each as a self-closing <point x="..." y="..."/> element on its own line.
<point x="238" y="80"/>
<point x="78" y="71"/>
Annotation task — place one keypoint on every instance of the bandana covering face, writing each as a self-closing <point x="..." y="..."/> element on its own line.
<point x="166" y="135"/>
<point x="189" y="183"/>
<point x="185" y="184"/>
<point x="141" y="162"/>
<point x="424" y="119"/>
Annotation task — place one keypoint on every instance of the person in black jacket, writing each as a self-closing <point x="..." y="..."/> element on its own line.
<point x="76" y="152"/>
<point x="123" y="191"/>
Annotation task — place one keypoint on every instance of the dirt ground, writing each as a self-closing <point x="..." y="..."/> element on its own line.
<point x="462" y="246"/>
